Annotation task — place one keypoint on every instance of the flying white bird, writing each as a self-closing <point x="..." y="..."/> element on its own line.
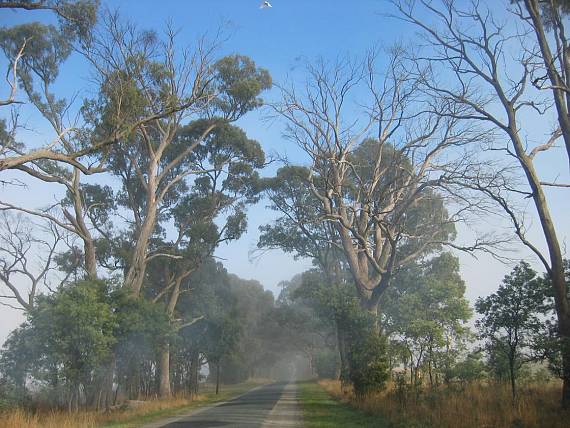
<point x="265" y="5"/>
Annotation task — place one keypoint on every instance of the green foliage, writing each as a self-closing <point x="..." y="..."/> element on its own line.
<point x="77" y="18"/>
<point x="234" y="369"/>
<point x="238" y="329"/>
<point x="239" y="83"/>
<point x="470" y="369"/>
<point x="66" y="337"/>
<point x="511" y="321"/>
<point x="46" y="49"/>
<point x="299" y="230"/>
<point x="425" y="313"/>
<point x="72" y="335"/>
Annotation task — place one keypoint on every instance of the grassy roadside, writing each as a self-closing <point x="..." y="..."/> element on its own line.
<point x="472" y="405"/>
<point x="320" y="410"/>
<point x="149" y="412"/>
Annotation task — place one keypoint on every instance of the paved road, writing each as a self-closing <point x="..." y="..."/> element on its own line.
<point x="274" y="405"/>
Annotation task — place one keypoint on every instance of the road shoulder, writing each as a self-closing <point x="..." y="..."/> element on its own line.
<point x="287" y="412"/>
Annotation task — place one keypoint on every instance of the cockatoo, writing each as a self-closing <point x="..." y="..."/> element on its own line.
<point x="265" y="5"/>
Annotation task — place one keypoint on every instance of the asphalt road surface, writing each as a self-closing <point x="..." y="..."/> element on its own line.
<point x="274" y="405"/>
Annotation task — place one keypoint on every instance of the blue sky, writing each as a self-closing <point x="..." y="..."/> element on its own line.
<point x="278" y="39"/>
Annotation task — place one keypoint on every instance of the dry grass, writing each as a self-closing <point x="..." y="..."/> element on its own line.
<point x="152" y="409"/>
<point x="19" y="418"/>
<point x="469" y="406"/>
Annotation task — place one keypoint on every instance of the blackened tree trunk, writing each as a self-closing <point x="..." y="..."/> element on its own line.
<point x="218" y="364"/>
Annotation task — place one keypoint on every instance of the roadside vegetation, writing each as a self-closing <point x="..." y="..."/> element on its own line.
<point x="471" y="405"/>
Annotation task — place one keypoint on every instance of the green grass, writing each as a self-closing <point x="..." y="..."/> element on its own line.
<point x="207" y="397"/>
<point x="321" y="410"/>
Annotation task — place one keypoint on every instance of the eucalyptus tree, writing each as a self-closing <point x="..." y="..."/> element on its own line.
<point x="35" y="53"/>
<point x="211" y="211"/>
<point x="230" y="336"/>
<point x="154" y="162"/>
<point x="302" y="329"/>
<point x="485" y="69"/>
<point x="75" y="149"/>
<point x="311" y="225"/>
<point x="299" y="231"/>
<point x="75" y="21"/>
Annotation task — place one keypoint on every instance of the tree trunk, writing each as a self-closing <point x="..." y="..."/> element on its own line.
<point x="137" y="266"/>
<point x="164" y="382"/>
<point x="77" y="219"/>
<point x="218" y="364"/>
<point x="90" y="258"/>
<point x="194" y="371"/>
<point x="557" y="82"/>
<point x="512" y="376"/>
<point x="344" y="370"/>
<point x="564" y="330"/>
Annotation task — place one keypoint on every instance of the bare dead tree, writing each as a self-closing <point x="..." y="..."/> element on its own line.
<point x="466" y="52"/>
<point x="76" y="210"/>
<point x="26" y="259"/>
<point x="373" y="167"/>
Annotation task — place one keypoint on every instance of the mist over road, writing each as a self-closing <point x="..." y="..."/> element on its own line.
<point x="274" y="405"/>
